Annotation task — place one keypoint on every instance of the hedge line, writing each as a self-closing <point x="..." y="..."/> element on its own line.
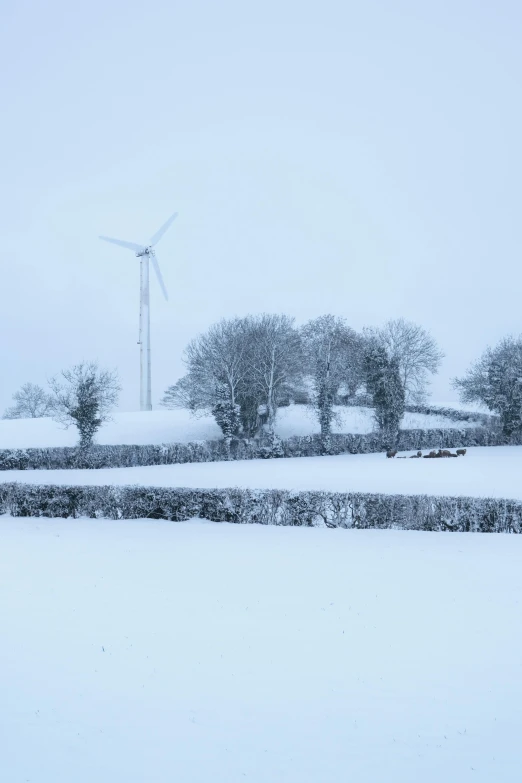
<point x="269" y="507"/>
<point x="454" y="414"/>
<point x="217" y="450"/>
<point x="484" y="419"/>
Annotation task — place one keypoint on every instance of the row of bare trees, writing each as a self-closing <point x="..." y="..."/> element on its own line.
<point x="242" y="369"/>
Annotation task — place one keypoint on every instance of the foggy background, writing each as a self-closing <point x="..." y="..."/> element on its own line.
<point x="361" y="159"/>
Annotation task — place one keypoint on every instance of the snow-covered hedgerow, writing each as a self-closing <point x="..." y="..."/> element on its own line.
<point x="484" y="419"/>
<point x="105" y="456"/>
<point x="454" y="414"/>
<point x="268" y="507"/>
<point x="14" y="459"/>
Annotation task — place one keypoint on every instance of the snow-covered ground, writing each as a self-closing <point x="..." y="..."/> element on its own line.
<point x="152" y="652"/>
<point x="483" y="472"/>
<point x="179" y="426"/>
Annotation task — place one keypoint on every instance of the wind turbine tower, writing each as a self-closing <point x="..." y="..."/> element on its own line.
<point x="146" y="254"/>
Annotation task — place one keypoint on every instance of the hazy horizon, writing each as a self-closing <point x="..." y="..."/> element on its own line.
<point x="356" y="159"/>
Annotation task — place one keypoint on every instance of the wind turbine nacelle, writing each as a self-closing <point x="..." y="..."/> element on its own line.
<point x="145" y="252"/>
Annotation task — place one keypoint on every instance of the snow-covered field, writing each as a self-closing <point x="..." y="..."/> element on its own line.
<point x="152" y="652"/>
<point x="483" y="472"/>
<point x="179" y="426"/>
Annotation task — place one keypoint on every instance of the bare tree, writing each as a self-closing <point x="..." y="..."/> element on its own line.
<point x="216" y="375"/>
<point x="31" y="402"/>
<point x="415" y="351"/>
<point x="331" y="351"/>
<point x="274" y="360"/>
<point x="183" y="394"/>
<point x="84" y="396"/>
<point x="239" y="371"/>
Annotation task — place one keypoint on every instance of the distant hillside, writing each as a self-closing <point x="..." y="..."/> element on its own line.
<point x="179" y="426"/>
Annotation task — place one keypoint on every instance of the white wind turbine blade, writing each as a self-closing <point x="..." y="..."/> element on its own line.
<point x="157" y="236"/>
<point x="121" y="243"/>
<point x="158" y="274"/>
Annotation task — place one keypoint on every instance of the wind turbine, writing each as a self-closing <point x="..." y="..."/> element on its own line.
<point x="146" y="253"/>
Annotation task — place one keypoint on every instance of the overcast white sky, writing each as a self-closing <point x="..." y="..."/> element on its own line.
<point x="359" y="158"/>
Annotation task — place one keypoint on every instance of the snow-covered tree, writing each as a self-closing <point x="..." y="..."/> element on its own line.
<point x="331" y="352"/>
<point x="274" y="360"/>
<point x="238" y="371"/>
<point x="84" y="396"/>
<point x="216" y="374"/>
<point x="31" y="402"/>
<point x="385" y="384"/>
<point x="415" y="351"/>
<point x="226" y="413"/>
<point x="495" y="381"/>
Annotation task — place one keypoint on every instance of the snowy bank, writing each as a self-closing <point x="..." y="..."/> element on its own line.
<point x="179" y="426"/>
<point x="483" y="472"/>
